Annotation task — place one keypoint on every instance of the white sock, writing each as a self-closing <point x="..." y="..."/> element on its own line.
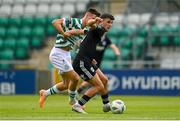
<point x="72" y="94"/>
<point x="53" y="90"/>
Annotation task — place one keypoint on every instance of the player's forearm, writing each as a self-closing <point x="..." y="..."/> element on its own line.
<point x="57" y="24"/>
<point x="115" y="49"/>
<point x="76" y="32"/>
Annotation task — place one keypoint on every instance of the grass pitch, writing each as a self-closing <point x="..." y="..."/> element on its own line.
<point x="57" y="108"/>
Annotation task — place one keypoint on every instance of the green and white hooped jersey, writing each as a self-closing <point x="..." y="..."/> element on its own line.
<point x="69" y="24"/>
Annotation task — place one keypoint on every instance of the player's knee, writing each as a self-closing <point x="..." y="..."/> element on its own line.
<point x="105" y="81"/>
<point x="76" y="78"/>
<point x="100" y="88"/>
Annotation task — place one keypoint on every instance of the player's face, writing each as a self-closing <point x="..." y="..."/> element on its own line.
<point x="107" y="23"/>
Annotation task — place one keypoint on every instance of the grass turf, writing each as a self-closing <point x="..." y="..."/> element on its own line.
<point x="57" y="107"/>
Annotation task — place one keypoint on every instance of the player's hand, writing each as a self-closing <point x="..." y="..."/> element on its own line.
<point x="67" y="35"/>
<point x="94" y="62"/>
<point x="98" y="20"/>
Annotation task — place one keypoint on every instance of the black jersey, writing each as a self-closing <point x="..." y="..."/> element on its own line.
<point x="88" y="46"/>
<point x="100" y="49"/>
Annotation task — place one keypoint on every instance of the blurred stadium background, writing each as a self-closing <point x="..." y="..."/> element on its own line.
<point x="146" y="32"/>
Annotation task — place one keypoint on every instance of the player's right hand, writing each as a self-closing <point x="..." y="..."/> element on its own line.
<point x="98" y="20"/>
<point x="67" y="35"/>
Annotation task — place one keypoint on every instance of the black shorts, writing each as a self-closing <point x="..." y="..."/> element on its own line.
<point x="84" y="68"/>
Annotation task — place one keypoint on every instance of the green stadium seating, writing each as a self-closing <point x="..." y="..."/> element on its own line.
<point x="3" y="21"/>
<point x="38" y="31"/>
<point x="16" y="21"/>
<point x="107" y="65"/>
<point x="109" y="54"/>
<point x="1" y="44"/>
<point x="12" y="31"/>
<point x="176" y="41"/>
<point x="27" y="21"/>
<point x="126" y="31"/>
<point x="114" y="32"/>
<point x="23" y="42"/>
<point x="36" y="42"/>
<point x="114" y="40"/>
<point x="10" y="43"/>
<point x="127" y="43"/>
<point x="142" y="32"/>
<point x="22" y="53"/>
<point x="25" y="31"/>
<point x="126" y="54"/>
<point x="7" y="54"/>
<point x="40" y="21"/>
<point x="139" y="42"/>
<point x="164" y="40"/>
<point x="50" y="30"/>
<point x="2" y="32"/>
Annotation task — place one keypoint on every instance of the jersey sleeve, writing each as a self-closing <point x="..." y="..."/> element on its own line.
<point x="99" y="30"/>
<point x="109" y="42"/>
<point x="66" y="22"/>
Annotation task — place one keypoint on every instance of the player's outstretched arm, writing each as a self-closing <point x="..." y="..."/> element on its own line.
<point x="57" y="24"/>
<point x="93" y="22"/>
<point x="76" y="32"/>
<point x="115" y="49"/>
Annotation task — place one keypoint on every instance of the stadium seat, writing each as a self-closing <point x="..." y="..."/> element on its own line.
<point x="25" y="31"/>
<point x="32" y="1"/>
<point x="68" y="8"/>
<point x="7" y="54"/>
<point x="15" y="21"/>
<point x="109" y="54"/>
<point x="55" y="9"/>
<point x="1" y="44"/>
<point x="40" y="20"/>
<point x="38" y="31"/>
<point x="126" y="43"/>
<point x="10" y="43"/>
<point x="36" y="42"/>
<point x="164" y="40"/>
<point x="81" y="6"/>
<point x="27" y="21"/>
<point x="17" y="10"/>
<point x="139" y="42"/>
<point x="114" y="31"/>
<point x="2" y="32"/>
<point x="44" y="1"/>
<point x="23" y="42"/>
<point x="12" y="31"/>
<point x="5" y="10"/>
<point x="30" y="9"/>
<point x="144" y="18"/>
<point x="3" y="21"/>
<point x="20" y="2"/>
<point x="50" y="30"/>
<point x="42" y="9"/>
<point x="142" y="31"/>
<point x="107" y="65"/>
<point x="125" y="54"/>
<point x="176" y="41"/>
<point x="10" y="2"/>
<point x="126" y="31"/>
<point x="21" y="53"/>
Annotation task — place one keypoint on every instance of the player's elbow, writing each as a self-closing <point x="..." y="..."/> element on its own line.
<point x="56" y="22"/>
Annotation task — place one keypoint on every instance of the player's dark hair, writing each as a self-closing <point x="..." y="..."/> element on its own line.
<point x="107" y="15"/>
<point x="93" y="11"/>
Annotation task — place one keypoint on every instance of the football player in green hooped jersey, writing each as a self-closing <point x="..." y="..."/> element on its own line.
<point x="69" y="31"/>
